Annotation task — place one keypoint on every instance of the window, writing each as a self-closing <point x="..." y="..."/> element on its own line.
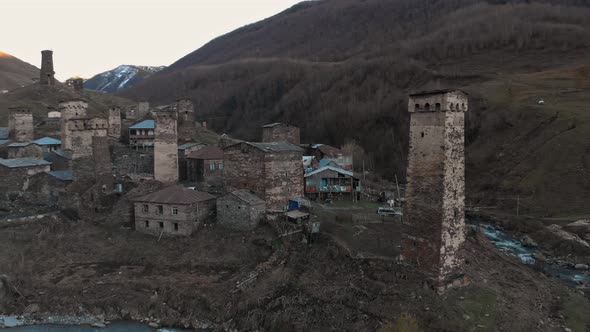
<point x="417" y="107"/>
<point x="146" y="208"/>
<point x="147" y="224"/>
<point x="422" y="134"/>
<point x="176" y="227"/>
<point x="220" y="166"/>
<point x="174" y="210"/>
<point x="160" y="209"/>
<point x="161" y="224"/>
<point x="427" y="107"/>
<point x="212" y="166"/>
<point x="437" y="106"/>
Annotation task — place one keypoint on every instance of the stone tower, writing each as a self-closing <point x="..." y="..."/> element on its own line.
<point x="103" y="167"/>
<point x="186" y="111"/>
<point x="115" y="122"/>
<point x="76" y="84"/>
<point x="435" y="198"/>
<point x="70" y="110"/>
<point x="20" y="125"/>
<point x="166" y="147"/>
<point x="280" y="132"/>
<point x="47" y="74"/>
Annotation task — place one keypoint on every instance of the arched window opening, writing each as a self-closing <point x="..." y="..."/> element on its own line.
<point x="417" y="107"/>
<point x="437" y="106"/>
<point x="427" y="107"/>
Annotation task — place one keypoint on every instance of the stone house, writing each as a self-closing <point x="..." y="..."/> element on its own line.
<point x="240" y="210"/>
<point x="47" y="187"/>
<point x="15" y="174"/>
<point x="273" y="171"/>
<point x="205" y="165"/>
<point x="142" y="134"/>
<point x="174" y="210"/>
<point x="331" y="182"/>
<point x="48" y="144"/>
<point x="183" y="151"/>
<point x="24" y="150"/>
<point x="326" y="154"/>
<point x="280" y="132"/>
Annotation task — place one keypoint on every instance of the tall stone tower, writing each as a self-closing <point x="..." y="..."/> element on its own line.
<point x="70" y="110"/>
<point x="166" y="147"/>
<point x="47" y="74"/>
<point x="115" y="122"/>
<point x="103" y="167"/>
<point x="435" y="198"/>
<point x="20" y="125"/>
<point x="186" y="111"/>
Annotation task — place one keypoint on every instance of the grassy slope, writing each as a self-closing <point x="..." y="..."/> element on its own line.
<point x="15" y="73"/>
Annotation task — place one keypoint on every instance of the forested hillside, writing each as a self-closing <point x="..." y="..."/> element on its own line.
<point x="341" y="70"/>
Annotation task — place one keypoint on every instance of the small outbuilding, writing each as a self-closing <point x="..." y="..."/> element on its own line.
<point x="240" y="210"/>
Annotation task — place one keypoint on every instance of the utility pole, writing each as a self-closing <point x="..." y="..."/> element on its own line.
<point x="399" y="196"/>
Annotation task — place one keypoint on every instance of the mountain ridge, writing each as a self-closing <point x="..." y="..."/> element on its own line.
<point x="120" y="78"/>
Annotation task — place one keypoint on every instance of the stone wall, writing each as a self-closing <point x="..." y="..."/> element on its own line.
<point x="103" y="167"/>
<point x="29" y="151"/>
<point x="236" y="214"/>
<point x="166" y="147"/>
<point x="283" y="179"/>
<point x="243" y="168"/>
<point x="20" y="125"/>
<point x="185" y="222"/>
<point x="114" y="122"/>
<point x="70" y="110"/>
<point x="81" y="132"/>
<point x="281" y="133"/>
<point x="16" y="180"/>
<point x="435" y="198"/>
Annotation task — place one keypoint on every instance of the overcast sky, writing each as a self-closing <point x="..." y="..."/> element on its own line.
<point x="92" y="36"/>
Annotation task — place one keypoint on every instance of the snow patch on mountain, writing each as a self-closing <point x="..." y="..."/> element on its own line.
<point x="122" y="77"/>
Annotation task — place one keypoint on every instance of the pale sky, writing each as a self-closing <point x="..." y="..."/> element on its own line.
<point x="92" y="36"/>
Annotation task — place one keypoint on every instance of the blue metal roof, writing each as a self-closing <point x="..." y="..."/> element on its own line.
<point x="145" y="124"/>
<point x="332" y="168"/>
<point x="19" y="145"/>
<point x="327" y="161"/>
<point x="23" y="162"/>
<point x="62" y="175"/>
<point x="4" y="132"/>
<point x="47" y="141"/>
<point x="5" y="141"/>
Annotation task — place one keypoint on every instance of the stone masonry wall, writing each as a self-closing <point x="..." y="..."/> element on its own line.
<point x="243" y="168"/>
<point x="283" y="179"/>
<point x="47" y="75"/>
<point x="29" y="151"/>
<point x="434" y="210"/>
<point x="20" y="125"/>
<point x="188" y="218"/>
<point x="69" y="110"/>
<point x="166" y="147"/>
<point x="115" y="122"/>
<point x="281" y="133"/>
<point x="234" y="213"/>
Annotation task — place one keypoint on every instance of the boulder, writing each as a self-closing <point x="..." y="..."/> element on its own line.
<point x="581" y="228"/>
<point x="527" y="241"/>
<point x="563" y="243"/>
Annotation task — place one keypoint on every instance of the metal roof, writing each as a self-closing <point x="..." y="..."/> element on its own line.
<point x="207" y="153"/>
<point x="247" y="197"/>
<point x="62" y="175"/>
<point x="331" y="168"/>
<point x="19" y="145"/>
<point x="296" y="214"/>
<point x="186" y="146"/>
<point x="435" y="92"/>
<point x="275" y="147"/>
<point x="64" y="153"/>
<point x="23" y="162"/>
<point x="4" y="132"/>
<point x="47" y="141"/>
<point x="276" y="124"/>
<point x="327" y="161"/>
<point x="175" y="195"/>
<point x="5" y="141"/>
<point x="145" y="124"/>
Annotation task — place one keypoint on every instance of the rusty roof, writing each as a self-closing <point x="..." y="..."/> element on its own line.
<point x="176" y="194"/>
<point x="207" y="153"/>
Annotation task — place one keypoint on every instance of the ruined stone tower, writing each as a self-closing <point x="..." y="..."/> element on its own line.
<point x="435" y="198"/>
<point x="115" y="122"/>
<point x="166" y="147"/>
<point x="103" y="167"/>
<point x="47" y="74"/>
<point x="69" y="110"/>
<point x="20" y="125"/>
